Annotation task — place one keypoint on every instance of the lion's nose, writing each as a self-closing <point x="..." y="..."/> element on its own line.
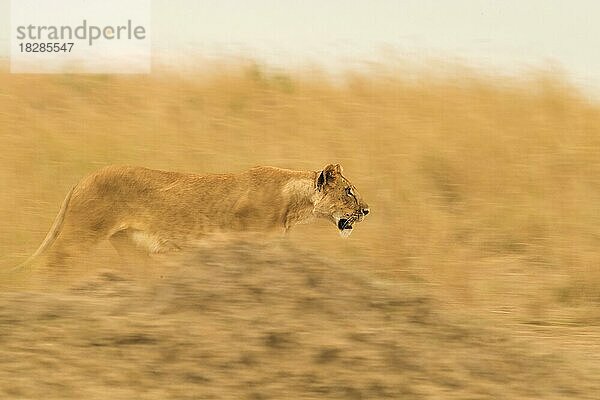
<point x="365" y="211"/>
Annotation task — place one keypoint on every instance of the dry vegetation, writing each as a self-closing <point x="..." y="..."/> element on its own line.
<point x="246" y="321"/>
<point x="485" y="190"/>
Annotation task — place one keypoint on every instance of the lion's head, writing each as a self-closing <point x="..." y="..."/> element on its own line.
<point x="338" y="200"/>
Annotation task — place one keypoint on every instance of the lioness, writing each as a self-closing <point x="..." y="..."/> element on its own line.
<point x="154" y="211"/>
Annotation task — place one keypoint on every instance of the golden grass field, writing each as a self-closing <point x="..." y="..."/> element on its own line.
<point x="484" y="189"/>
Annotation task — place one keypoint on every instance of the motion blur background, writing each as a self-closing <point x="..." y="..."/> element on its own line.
<point x="471" y="128"/>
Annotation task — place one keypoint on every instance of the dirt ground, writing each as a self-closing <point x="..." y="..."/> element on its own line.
<point x="243" y="320"/>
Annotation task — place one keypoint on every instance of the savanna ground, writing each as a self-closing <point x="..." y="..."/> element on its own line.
<point x="476" y="275"/>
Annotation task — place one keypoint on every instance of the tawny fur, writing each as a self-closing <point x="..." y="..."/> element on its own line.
<point x="158" y="211"/>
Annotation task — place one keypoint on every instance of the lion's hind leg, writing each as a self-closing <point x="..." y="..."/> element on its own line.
<point x="135" y="248"/>
<point x="70" y="256"/>
<point x="128" y="247"/>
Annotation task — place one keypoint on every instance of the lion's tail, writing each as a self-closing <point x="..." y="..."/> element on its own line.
<point x="52" y="234"/>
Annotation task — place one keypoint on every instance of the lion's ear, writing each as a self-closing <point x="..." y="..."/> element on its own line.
<point x="321" y="180"/>
<point x="328" y="175"/>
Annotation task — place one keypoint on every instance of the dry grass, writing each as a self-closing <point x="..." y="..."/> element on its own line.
<point x="248" y="321"/>
<point x="462" y="170"/>
<point x="484" y="188"/>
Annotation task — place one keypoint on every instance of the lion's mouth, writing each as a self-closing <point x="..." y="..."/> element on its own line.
<point x="344" y="223"/>
<point x="345" y="226"/>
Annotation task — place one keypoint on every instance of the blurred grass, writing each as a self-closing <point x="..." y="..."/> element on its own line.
<point x="471" y="177"/>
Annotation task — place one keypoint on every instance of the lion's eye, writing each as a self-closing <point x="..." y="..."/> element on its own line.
<point x="349" y="191"/>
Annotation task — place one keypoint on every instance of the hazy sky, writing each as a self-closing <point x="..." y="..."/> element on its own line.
<point x="506" y="33"/>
